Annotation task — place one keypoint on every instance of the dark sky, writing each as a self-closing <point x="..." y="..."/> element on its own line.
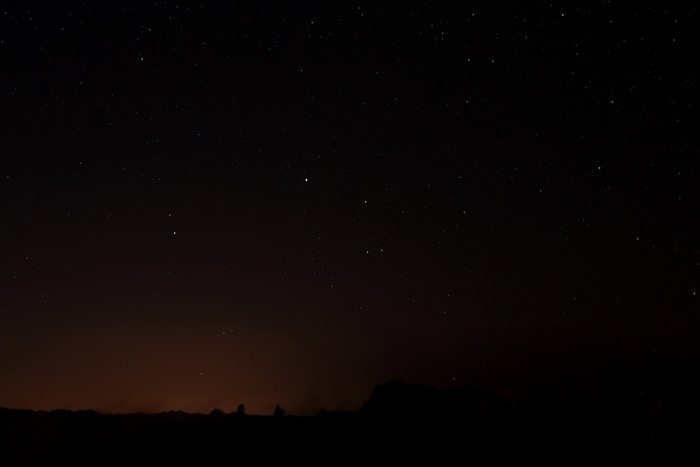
<point x="204" y="204"/>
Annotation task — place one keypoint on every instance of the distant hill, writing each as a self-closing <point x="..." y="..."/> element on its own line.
<point x="635" y="415"/>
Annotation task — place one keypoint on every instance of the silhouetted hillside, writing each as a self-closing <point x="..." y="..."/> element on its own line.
<point x="652" y="412"/>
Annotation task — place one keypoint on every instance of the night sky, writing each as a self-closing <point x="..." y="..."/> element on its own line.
<point x="206" y="204"/>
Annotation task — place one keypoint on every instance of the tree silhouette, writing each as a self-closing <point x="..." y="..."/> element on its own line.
<point x="279" y="411"/>
<point x="241" y="409"/>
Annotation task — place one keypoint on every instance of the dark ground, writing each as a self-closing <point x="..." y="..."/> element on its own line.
<point x="634" y="417"/>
